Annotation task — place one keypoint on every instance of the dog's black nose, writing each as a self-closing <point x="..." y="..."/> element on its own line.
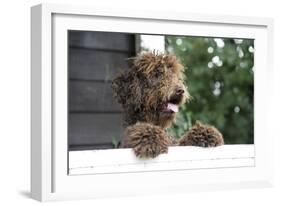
<point x="179" y="91"/>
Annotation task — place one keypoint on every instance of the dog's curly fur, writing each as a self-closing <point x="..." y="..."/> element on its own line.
<point x="153" y="141"/>
<point x="155" y="81"/>
<point x="202" y="135"/>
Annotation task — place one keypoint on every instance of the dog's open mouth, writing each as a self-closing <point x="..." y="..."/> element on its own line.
<point x="171" y="106"/>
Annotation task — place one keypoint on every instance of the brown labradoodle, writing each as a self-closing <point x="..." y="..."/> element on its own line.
<point x="151" y="93"/>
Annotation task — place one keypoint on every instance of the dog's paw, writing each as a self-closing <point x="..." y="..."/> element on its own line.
<point x="147" y="140"/>
<point x="203" y="136"/>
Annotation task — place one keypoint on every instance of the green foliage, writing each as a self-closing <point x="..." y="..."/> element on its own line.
<point x="115" y="142"/>
<point x="219" y="76"/>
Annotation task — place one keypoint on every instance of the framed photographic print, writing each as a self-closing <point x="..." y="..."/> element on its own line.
<point x="135" y="102"/>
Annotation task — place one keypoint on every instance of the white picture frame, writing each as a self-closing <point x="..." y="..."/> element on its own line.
<point x="222" y="168"/>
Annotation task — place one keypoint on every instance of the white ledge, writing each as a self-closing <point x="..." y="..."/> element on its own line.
<point x="178" y="158"/>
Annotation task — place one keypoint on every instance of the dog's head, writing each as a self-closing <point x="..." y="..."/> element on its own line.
<point x="153" y="87"/>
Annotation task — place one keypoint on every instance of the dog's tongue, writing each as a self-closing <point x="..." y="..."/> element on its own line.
<point x="173" y="107"/>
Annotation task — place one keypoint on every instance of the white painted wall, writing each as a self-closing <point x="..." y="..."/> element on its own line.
<point x="15" y="95"/>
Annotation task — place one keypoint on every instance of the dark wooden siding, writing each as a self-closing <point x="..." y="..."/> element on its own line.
<point x="95" y="118"/>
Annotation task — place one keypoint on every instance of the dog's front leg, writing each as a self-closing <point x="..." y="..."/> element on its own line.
<point x="202" y="135"/>
<point x="147" y="140"/>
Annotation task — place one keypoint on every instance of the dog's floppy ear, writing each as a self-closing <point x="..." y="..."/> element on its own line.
<point x="120" y="87"/>
<point x="126" y="89"/>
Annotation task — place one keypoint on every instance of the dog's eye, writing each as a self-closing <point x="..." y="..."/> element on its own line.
<point x="154" y="78"/>
<point x="156" y="75"/>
